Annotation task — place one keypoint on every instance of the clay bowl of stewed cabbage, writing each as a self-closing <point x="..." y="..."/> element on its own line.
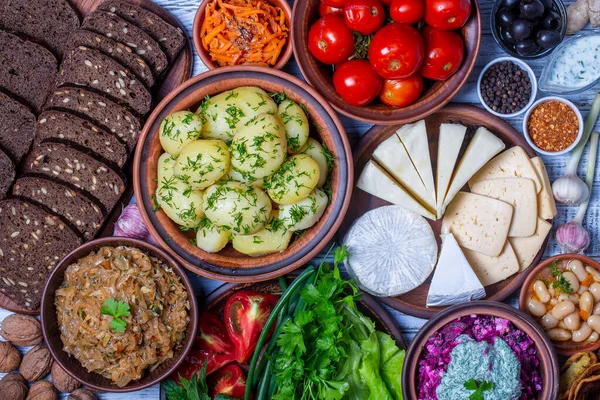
<point x="118" y="314"/>
<point x="563" y="295"/>
<point x="243" y="174"/>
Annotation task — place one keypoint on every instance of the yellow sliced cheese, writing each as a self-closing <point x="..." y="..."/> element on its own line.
<point x="519" y="193"/>
<point x="414" y="138"/>
<point x="392" y="155"/>
<point x="513" y="163"/>
<point x="376" y="181"/>
<point x="526" y="248"/>
<point x="545" y="198"/>
<point x="478" y="223"/>
<point x="481" y="149"/>
<point x="449" y="144"/>
<point x="492" y="270"/>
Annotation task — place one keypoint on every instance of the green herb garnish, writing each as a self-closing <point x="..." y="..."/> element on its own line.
<point x="471" y="384"/>
<point x="560" y="283"/>
<point x="116" y="309"/>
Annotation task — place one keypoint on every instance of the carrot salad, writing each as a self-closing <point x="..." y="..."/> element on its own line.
<point x="244" y="32"/>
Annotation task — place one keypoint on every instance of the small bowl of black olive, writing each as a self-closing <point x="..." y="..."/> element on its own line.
<point x="529" y="29"/>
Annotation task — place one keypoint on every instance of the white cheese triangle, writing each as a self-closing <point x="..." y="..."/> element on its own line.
<point x="546" y="203"/>
<point x="449" y="144"/>
<point x="491" y="270"/>
<point x="392" y="251"/>
<point x="481" y="149"/>
<point x="454" y="281"/>
<point x="526" y="248"/>
<point x="376" y="181"/>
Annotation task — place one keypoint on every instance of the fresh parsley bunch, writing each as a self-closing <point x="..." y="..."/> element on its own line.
<point x="194" y="389"/>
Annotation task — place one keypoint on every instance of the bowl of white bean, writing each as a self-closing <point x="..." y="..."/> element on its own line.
<point x="562" y="294"/>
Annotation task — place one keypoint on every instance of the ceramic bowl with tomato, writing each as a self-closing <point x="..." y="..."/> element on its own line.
<point x="386" y="61"/>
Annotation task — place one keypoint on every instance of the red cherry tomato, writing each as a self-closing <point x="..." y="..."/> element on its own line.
<point x="357" y="82"/>
<point x="330" y="41"/>
<point x="401" y="92"/>
<point x="230" y="381"/>
<point x="444" y="52"/>
<point x="396" y="51"/>
<point x="407" y="11"/>
<point x="364" y="16"/>
<point x="447" y="15"/>
<point x="335" y="3"/>
<point x="324" y="9"/>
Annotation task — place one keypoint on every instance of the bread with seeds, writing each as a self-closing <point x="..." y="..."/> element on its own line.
<point x="32" y="242"/>
<point x="18" y="127"/>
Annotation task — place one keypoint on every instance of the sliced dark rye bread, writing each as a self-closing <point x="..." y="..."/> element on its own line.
<point x="26" y="69"/>
<point x="99" y="110"/>
<point x="45" y="21"/>
<point x="18" y="127"/>
<point x="67" y="164"/>
<point x="120" y="52"/>
<point x="7" y="173"/>
<point x="170" y="38"/>
<point x="87" y="67"/>
<point x="63" y="126"/>
<point x="116" y="28"/>
<point x="65" y="200"/>
<point x="32" y="242"/>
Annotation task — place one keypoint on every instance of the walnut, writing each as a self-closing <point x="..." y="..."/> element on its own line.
<point x="13" y="387"/>
<point x="82" y="394"/>
<point x="36" y="363"/>
<point x="42" y="390"/>
<point x="21" y="330"/>
<point x="63" y="381"/>
<point x="10" y="358"/>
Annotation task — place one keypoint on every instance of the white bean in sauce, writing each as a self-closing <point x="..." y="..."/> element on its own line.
<point x="586" y="303"/>
<point x="536" y="307"/>
<point x="595" y="291"/>
<point x="548" y="321"/>
<point x="582" y="289"/>
<point x="595" y="273"/>
<point x="572" y="279"/>
<point x="562" y="309"/>
<point x="593" y="337"/>
<point x="559" y="335"/>
<point x="573" y="321"/>
<point x="596" y="310"/>
<point x="541" y="290"/>
<point x="578" y="269"/>
<point x="594" y="322"/>
<point x="582" y="333"/>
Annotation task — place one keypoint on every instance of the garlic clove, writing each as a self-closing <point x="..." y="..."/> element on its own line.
<point x="570" y="190"/>
<point x="572" y="237"/>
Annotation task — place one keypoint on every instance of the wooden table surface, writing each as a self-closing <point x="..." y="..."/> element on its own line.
<point x="185" y="10"/>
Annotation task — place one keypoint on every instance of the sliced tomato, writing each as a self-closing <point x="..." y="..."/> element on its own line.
<point x="245" y="315"/>
<point x="213" y="334"/>
<point x="230" y="381"/>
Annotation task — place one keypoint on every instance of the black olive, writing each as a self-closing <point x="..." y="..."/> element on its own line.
<point x="521" y="29"/>
<point x="510" y="4"/>
<point x="505" y="18"/>
<point x="552" y="21"/>
<point x="507" y="37"/>
<point x="527" y="47"/>
<point x="531" y="9"/>
<point x="547" y="4"/>
<point x="548" y="39"/>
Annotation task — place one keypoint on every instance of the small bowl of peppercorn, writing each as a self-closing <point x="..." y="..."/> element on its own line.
<point x="553" y="126"/>
<point x="507" y="87"/>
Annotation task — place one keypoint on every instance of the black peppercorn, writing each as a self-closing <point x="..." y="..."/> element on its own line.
<point x="505" y="87"/>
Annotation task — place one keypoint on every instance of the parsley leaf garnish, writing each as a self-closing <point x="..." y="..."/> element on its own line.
<point x="561" y="284"/>
<point x="116" y="309"/>
<point x="471" y="384"/>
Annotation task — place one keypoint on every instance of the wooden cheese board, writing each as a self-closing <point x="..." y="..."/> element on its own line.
<point x="179" y="72"/>
<point x="414" y="302"/>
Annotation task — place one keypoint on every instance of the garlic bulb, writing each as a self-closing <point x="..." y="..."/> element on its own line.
<point x="572" y="237"/>
<point x="570" y="190"/>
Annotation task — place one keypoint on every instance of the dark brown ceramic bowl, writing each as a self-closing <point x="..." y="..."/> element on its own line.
<point x="51" y="331"/>
<point x="435" y="95"/>
<point x="286" y="52"/>
<point x="532" y="275"/>
<point x="228" y="264"/>
<point x="545" y="351"/>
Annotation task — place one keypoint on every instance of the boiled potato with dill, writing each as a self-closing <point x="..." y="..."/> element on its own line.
<point x="179" y="129"/>
<point x="238" y="176"/>
<point x="181" y="203"/>
<point x="296" y="125"/>
<point x="237" y="207"/>
<point x="322" y="156"/>
<point x="165" y="167"/>
<point x="294" y="180"/>
<point x="202" y="163"/>
<point x="259" y="148"/>
<point x="210" y="237"/>
<point x="272" y="238"/>
<point x="226" y="113"/>
<point x="304" y="213"/>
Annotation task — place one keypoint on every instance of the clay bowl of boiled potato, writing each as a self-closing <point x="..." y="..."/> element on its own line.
<point x="243" y="174"/>
<point x="563" y="295"/>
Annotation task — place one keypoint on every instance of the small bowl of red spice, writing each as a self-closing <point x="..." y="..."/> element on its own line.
<point x="553" y="126"/>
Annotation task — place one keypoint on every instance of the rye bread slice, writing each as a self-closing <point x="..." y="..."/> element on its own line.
<point x="26" y="69"/>
<point x="65" y="200"/>
<point x="45" y="21"/>
<point x="18" y="127"/>
<point x="7" y="173"/>
<point x="170" y="38"/>
<point x="120" y="52"/>
<point x="102" y="112"/>
<point x="114" y="27"/>
<point x="32" y="242"/>
<point x="91" y="68"/>
<point x="66" y="164"/>
<point x="64" y="126"/>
